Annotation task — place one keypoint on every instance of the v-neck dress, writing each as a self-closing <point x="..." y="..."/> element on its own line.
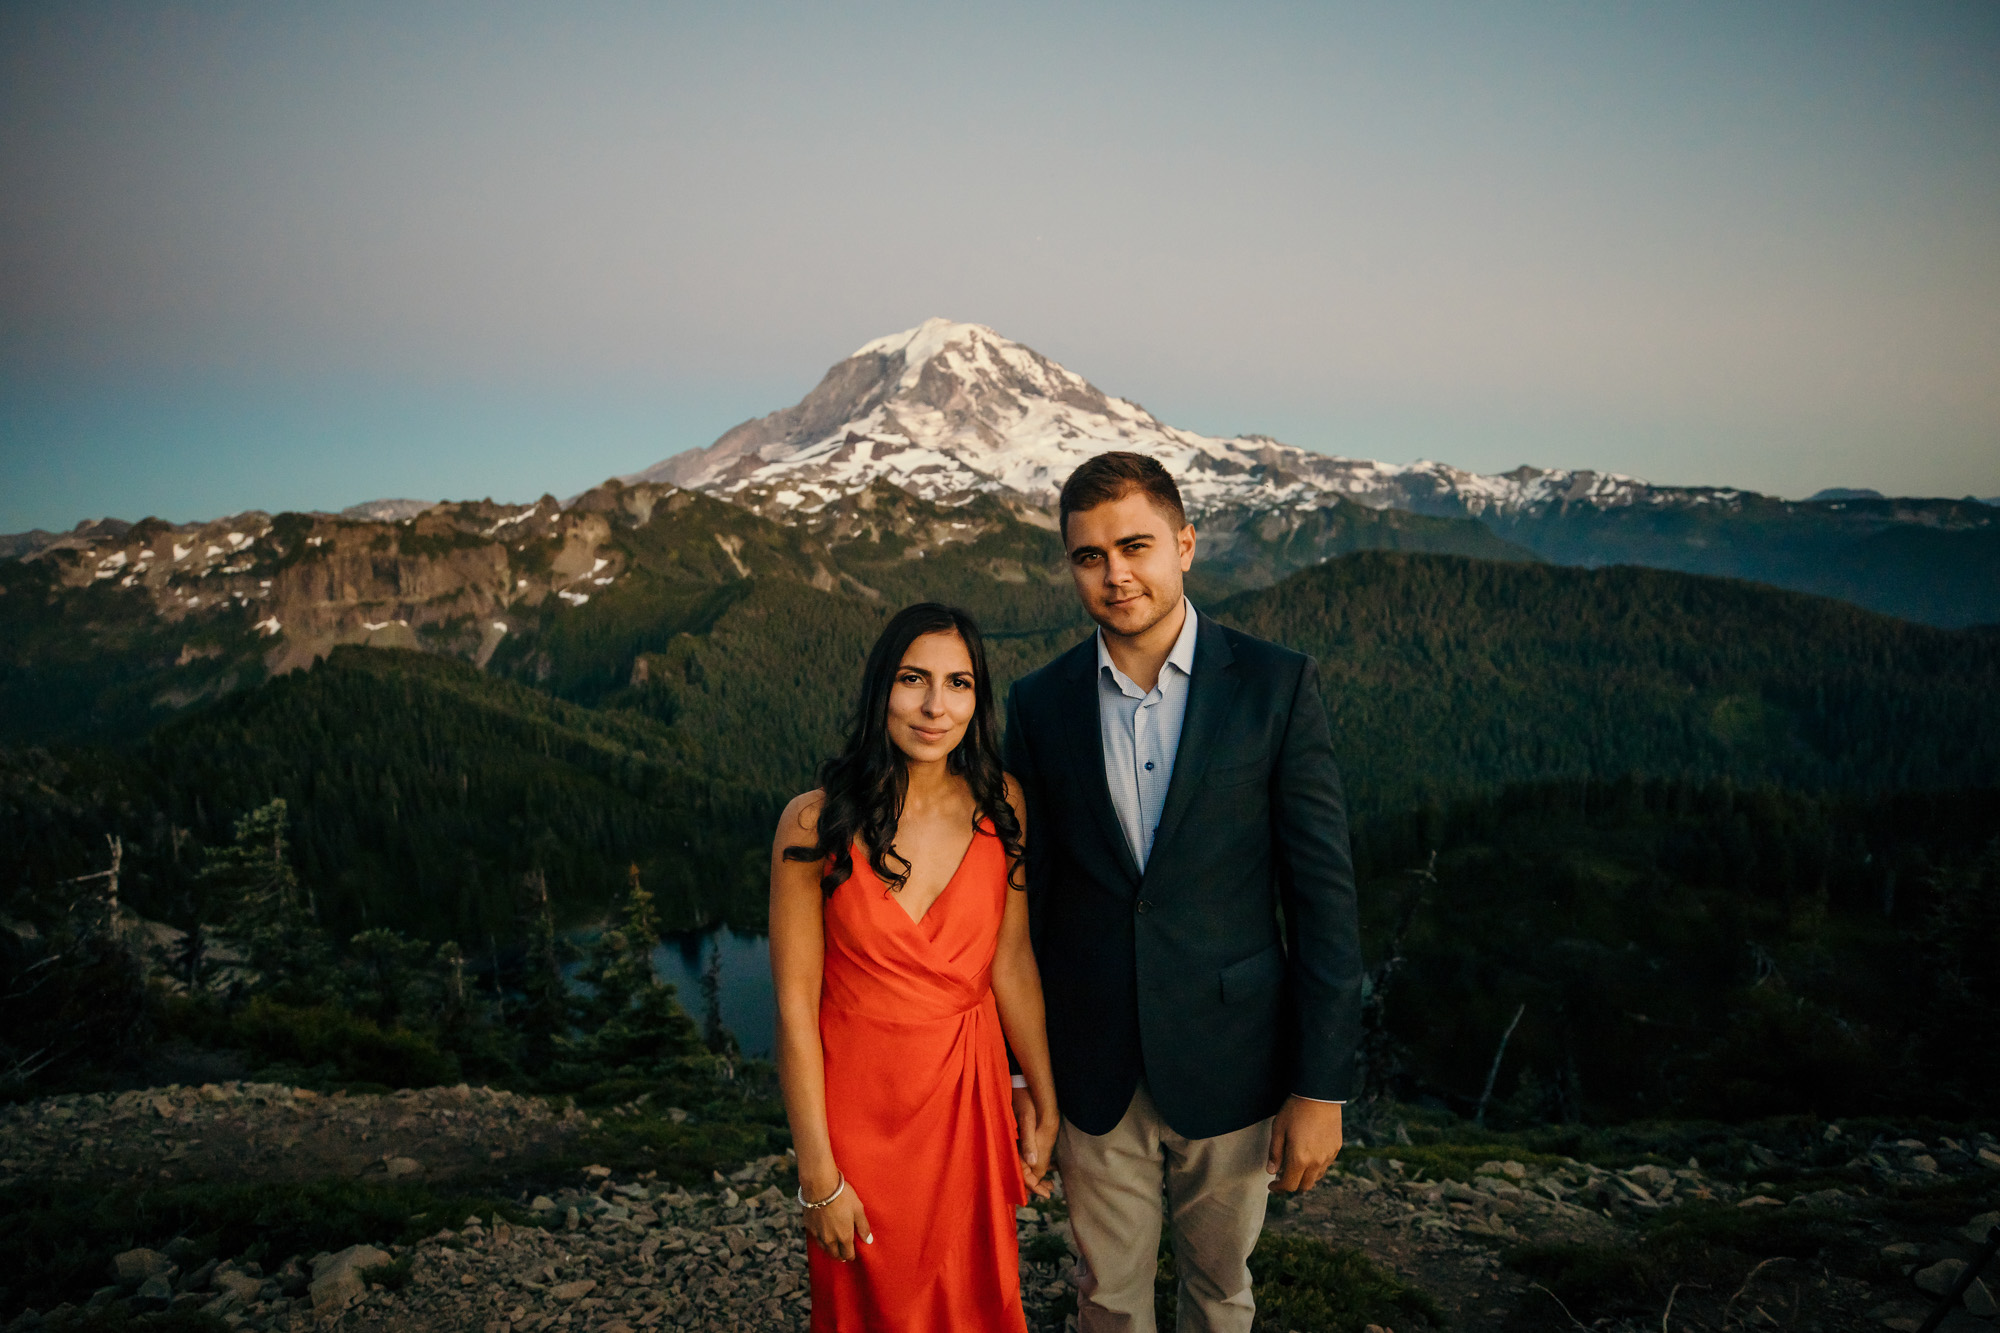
<point x="919" y="1106"/>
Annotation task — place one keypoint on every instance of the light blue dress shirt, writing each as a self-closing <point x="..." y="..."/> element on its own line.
<point x="1140" y="731"/>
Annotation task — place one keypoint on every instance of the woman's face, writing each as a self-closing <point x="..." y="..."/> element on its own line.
<point x="931" y="698"/>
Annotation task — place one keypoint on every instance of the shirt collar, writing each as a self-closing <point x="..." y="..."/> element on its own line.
<point x="1181" y="656"/>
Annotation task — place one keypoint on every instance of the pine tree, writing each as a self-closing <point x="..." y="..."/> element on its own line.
<point x="546" y="1016"/>
<point x="270" y="916"/>
<point x="632" y="1026"/>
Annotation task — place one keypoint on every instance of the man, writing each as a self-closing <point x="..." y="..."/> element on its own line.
<point x="1192" y="909"/>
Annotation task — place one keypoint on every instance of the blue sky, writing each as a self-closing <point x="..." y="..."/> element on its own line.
<point x="302" y="256"/>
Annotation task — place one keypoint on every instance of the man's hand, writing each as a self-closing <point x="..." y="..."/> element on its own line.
<point x="1037" y="1143"/>
<point x="1305" y="1138"/>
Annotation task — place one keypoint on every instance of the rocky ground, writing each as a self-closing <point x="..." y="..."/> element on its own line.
<point x="263" y="1131"/>
<point x="613" y="1252"/>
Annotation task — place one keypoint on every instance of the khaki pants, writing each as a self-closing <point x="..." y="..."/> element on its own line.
<point x="1215" y="1194"/>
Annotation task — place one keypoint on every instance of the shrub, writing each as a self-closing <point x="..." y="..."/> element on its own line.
<point x="57" y="1241"/>
<point x="348" y="1048"/>
<point x="1303" y="1283"/>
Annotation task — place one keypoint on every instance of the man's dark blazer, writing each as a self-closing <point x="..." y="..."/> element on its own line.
<point x="1228" y="974"/>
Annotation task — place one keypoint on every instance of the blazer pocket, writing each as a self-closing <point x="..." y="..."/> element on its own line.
<point x="1253" y="977"/>
<point x="1231" y="775"/>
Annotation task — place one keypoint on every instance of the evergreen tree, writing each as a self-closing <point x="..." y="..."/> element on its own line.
<point x="631" y="1026"/>
<point x="545" y="1016"/>
<point x="270" y="915"/>
<point x="390" y="977"/>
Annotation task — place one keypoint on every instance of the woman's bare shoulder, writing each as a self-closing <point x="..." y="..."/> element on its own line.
<point x="1016" y="797"/>
<point x="801" y="817"/>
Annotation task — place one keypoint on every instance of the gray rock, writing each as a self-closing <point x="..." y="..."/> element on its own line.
<point x="134" y="1266"/>
<point x="239" y="1285"/>
<point x="1979" y="1300"/>
<point x="155" y="1293"/>
<point x="1975" y="1230"/>
<point x="337" y="1282"/>
<point x="293" y="1280"/>
<point x="1823" y="1200"/>
<point x="1938" y="1278"/>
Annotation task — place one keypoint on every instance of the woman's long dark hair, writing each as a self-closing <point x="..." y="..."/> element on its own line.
<point x="866" y="782"/>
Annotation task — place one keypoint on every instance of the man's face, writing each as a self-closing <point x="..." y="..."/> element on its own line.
<point x="1127" y="560"/>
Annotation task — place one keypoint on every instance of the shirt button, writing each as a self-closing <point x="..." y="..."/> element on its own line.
<point x="1149" y="765"/>
<point x="1144" y="905"/>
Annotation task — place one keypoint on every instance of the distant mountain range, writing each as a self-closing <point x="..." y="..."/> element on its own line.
<point x="949" y="410"/>
<point x="946" y="437"/>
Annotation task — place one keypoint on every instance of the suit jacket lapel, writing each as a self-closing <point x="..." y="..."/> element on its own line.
<point x="1211" y="691"/>
<point x="1083" y="731"/>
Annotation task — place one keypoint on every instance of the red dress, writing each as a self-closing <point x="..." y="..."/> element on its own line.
<point x="919" y="1106"/>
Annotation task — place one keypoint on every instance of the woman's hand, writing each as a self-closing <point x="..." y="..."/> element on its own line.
<point x="1037" y="1144"/>
<point x="841" y="1225"/>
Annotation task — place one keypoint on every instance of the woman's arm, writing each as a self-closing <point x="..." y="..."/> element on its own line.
<point x="798" y="953"/>
<point x="1017" y="989"/>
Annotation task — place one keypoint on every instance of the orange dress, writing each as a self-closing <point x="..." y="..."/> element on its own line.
<point x="919" y="1106"/>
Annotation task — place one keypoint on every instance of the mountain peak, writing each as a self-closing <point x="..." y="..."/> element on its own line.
<point x="949" y="410"/>
<point x="927" y="339"/>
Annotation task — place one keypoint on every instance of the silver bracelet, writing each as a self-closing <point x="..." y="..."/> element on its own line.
<point x="838" y="1191"/>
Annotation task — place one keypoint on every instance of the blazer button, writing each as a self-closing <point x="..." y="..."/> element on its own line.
<point x="1143" y="904"/>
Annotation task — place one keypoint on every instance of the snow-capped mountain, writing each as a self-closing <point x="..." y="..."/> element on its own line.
<point x="948" y="411"/>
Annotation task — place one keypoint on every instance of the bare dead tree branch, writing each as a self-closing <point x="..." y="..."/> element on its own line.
<point x="1493" y="1074"/>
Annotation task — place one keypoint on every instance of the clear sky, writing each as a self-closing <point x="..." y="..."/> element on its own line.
<point x="299" y="256"/>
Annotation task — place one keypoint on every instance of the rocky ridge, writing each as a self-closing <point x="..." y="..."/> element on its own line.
<point x="455" y="578"/>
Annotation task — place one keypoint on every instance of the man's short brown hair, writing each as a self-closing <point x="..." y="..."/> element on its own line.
<point x="1111" y="476"/>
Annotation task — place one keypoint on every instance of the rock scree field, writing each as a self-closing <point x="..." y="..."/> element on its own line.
<point x="264" y="1206"/>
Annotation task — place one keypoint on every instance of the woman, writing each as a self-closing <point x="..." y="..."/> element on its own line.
<point x="900" y="952"/>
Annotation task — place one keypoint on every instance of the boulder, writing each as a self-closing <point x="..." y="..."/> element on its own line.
<point x="399" y="1167"/>
<point x="1939" y="1277"/>
<point x="155" y="1293"/>
<point x="1975" y="1230"/>
<point x="134" y="1266"/>
<point x="573" y="1291"/>
<point x="337" y="1282"/>
<point x="239" y="1285"/>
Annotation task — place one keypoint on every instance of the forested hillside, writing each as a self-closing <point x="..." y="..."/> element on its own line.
<point x="424" y="789"/>
<point x="1932" y="561"/>
<point x="1687" y="949"/>
<point x="1445" y="675"/>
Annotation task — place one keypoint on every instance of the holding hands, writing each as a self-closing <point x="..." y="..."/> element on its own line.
<point x="1037" y="1143"/>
